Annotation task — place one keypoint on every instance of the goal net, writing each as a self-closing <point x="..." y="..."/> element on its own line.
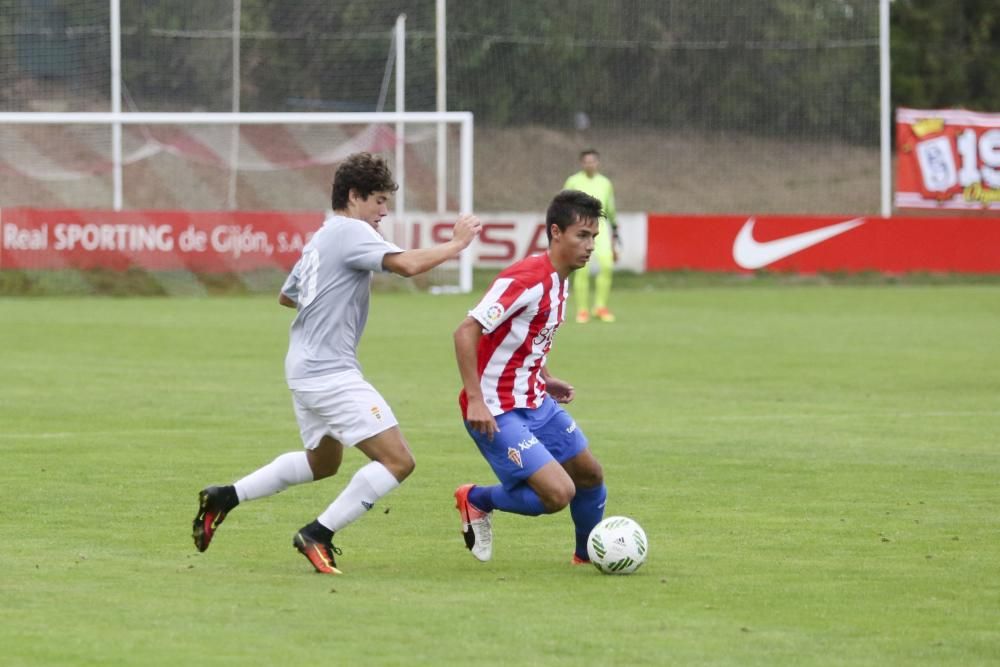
<point x="329" y="77"/>
<point x="265" y="162"/>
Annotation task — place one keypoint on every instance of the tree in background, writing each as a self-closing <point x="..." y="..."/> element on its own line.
<point x="946" y="53"/>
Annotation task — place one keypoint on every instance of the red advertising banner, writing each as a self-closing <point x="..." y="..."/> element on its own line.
<point x="204" y="242"/>
<point x="219" y="241"/>
<point x="808" y="244"/>
<point x="947" y="158"/>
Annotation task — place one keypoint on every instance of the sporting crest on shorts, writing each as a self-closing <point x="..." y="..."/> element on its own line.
<point x="515" y="456"/>
<point x="376" y="413"/>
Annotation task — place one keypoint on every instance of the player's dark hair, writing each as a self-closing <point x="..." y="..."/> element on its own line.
<point x="568" y="207"/>
<point x="365" y="173"/>
<point x="589" y="151"/>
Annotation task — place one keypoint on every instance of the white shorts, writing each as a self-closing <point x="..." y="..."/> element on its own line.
<point x="343" y="405"/>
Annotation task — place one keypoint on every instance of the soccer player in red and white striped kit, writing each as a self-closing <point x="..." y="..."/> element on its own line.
<point x="511" y="403"/>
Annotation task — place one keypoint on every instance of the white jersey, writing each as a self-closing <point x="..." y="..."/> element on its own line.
<point x="331" y="285"/>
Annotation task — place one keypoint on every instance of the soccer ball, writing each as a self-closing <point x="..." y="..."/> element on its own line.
<point x="617" y="545"/>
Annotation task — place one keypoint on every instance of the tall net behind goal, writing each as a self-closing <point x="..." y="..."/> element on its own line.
<point x="207" y="56"/>
<point x="707" y="106"/>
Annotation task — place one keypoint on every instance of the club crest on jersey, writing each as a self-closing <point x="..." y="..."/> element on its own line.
<point x="494" y="313"/>
<point x="515" y="456"/>
<point x="376" y="413"/>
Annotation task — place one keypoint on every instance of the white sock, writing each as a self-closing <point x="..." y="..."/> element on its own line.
<point x="281" y="473"/>
<point x="368" y="485"/>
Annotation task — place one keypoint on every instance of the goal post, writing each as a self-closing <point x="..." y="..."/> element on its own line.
<point x="286" y="161"/>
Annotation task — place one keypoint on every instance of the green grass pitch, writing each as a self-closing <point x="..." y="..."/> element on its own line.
<point x="816" y="468"/>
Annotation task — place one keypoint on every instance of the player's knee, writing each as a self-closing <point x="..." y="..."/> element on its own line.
<point x="400" y="464"/>
<point x="324" y="461"/>
<point x="406" y="467"/>
<point x="323" y="469"/>
<point x="590" y="477"/>
<point x="557" y="498"/>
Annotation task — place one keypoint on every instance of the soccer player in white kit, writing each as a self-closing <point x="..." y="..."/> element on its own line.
<point x="334" y="405"/>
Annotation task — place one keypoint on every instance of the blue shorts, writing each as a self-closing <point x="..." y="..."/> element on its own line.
<point x="528" y="439"/>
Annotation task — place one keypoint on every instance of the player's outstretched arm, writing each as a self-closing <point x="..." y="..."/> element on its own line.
<point x="413" y="262"/>
<point x="467" y="337"/>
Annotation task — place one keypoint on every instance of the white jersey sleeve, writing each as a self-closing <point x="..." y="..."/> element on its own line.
<point x="364" y="248"/>
<point x="291" y="286"/>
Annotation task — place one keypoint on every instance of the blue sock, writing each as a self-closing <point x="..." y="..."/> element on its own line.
<point x="480" y="497"/>
<point x="587" y="510"/>
<point x="522" y="499"/>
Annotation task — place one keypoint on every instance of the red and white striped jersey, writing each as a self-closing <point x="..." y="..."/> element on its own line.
<point x="520" y="314"/>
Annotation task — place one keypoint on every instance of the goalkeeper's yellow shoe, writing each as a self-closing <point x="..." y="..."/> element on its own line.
<point x="604" y="315"/>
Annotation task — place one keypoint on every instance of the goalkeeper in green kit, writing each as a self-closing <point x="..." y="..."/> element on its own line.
<point x="606" y="244"/>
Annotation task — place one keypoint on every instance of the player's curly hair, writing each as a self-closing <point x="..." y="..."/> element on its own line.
<point x="569" y="206"/>
<point x="363" y="172"/>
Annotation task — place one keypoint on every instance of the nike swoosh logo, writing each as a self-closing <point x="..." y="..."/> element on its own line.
<point x="752" y="254"/>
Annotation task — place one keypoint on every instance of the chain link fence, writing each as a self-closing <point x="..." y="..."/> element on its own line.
<point x="738" y="105"/>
